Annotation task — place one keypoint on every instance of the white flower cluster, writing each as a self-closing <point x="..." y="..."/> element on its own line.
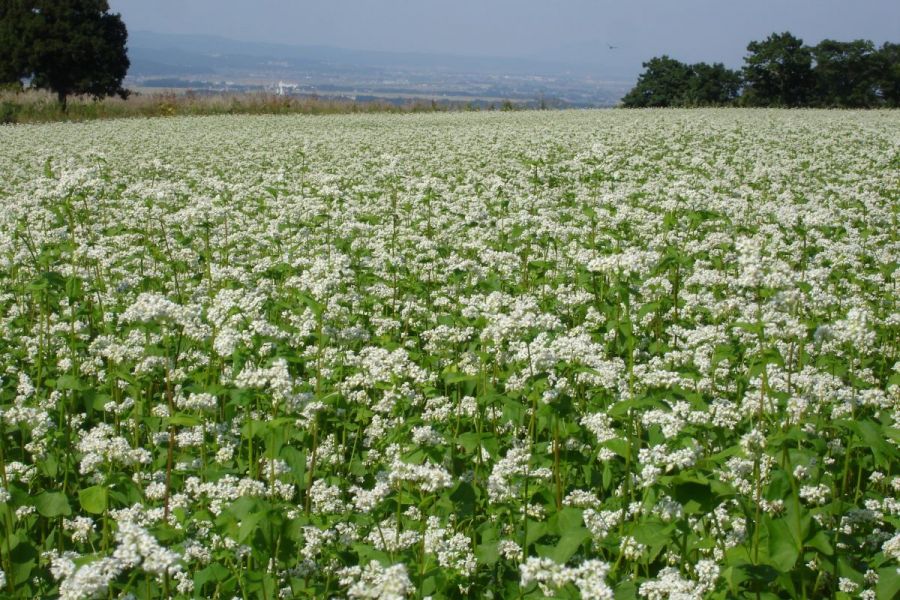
<point x="589" y="577"/>
<point x="151" y="307"/>
<point x="670" y="585"/>
<point x="135" y="547"/>
<point x="101" y="445"/>
<point x="453" y="551"/>
<point x="376" y="582"/>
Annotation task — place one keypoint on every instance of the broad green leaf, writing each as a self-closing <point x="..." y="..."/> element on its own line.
<point x="487" y="553"/>
<point x="569" y="544"/>
<point x="784" y="550"/>
<point x="94" y="499"/>
<point x="185" y="420"/>
<point x="214" y="572"/>
<point x="71" y="382"/>
<point x="249" y="524"/>
<point x="820" y="542"/>
<point x="52" y="504"/>
<point x="888" y="587"/>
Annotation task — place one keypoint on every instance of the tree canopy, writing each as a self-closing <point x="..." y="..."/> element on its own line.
<point x="664" y="82"/>
<point x="846" y="73"/>
<point x="13" y="59"/>
<point x="669" y="82"/>
<point x="66" y="46"/>
<point x="778" y="71"/>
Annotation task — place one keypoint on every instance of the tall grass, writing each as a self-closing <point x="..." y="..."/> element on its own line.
<point x="41" y="107"/>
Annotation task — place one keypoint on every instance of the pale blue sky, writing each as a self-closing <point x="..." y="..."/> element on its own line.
<point x="691" y="30"/>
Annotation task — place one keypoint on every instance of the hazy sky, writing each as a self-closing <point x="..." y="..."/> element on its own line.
<point x="690" y="30"/>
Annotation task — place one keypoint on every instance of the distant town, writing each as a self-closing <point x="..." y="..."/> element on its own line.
<point x="204" y="64"/>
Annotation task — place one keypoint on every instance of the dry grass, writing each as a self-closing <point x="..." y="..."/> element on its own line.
<point x="38" y="106"/>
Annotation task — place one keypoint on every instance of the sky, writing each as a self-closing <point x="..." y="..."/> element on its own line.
<point x="689" y="30"/>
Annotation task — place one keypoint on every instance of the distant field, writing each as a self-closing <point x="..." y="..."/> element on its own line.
<point x="594" y="354"/>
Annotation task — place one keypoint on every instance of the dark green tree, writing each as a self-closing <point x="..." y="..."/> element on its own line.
<point x="13" y="53"/>
<point x="778" y="72"/>
<point x="75" y="47"/>
<point x="712" y="85"/>
<point x="887" y="61"/>
<point x="846" y="74"/>
<point x="664" y="82"/>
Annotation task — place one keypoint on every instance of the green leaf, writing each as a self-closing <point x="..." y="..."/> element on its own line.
<point x="249" y="525"/>
<point x="52" y="504"/>
<point x="536" y="531"/>
<point x="469" y="441"/>
<point x="463" y="498"/>
<point x="627" y="590"/>
<point x="451" y="378"/>
<point x="870" y="433"/>
<point x="24" y="557"/>
<point x="569" y="544"/>
<point x="243" y="506"/>
<point x="820" y="542"/>
<point x="888" y="586"/>
<point x="734" y="576"/>
<point x="784" y="550"/>
<point x="650" y="532"/>
<point x="70" y="382"/>
<point x="94" y="499"/>
<point x="567" y="521"/>
<point x="487" y="553"/>
<point x="184" y="420"/>
<point x="50" y="465"/>
<point x="296" y="460"/>
<point x="214" y="572"/>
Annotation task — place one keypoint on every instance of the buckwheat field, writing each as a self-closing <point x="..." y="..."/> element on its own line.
<point x="599" y="354"/>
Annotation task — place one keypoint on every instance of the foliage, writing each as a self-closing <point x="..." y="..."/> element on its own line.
<point x="664" y="82"/>
<point x="67" y="46"/>
<point x="13" y="54"/>
<point x="846" y="73"/>
<point x="712" y="85"/>
<point x="506" y="355"/>
<point x="778" y="72"/>
<point x="668" y="82"/>
<point x="888" y="62"/>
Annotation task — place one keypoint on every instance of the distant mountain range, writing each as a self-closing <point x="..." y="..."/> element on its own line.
<point x="175" y="60"/>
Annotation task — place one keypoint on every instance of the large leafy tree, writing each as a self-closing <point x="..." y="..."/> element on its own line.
<point x="71" y="46"/>
<point x="664" y="82"/>
<point x="712" y="85"/>
<point x="778" y="72"/>
<point x="669" y="82"/>
<point x="13" y="53"/>
<point x="846" y="73"/>
<point x="888" y="77"/>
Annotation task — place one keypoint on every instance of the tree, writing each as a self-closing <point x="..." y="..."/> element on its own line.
<point x="846" y="74"/>
<point x="712" y="85"/>
<point x="75" y="47"/>
<point x="13" y="54"/>
<point x="778" y="72"/>
<point x="887" y="62"/>
<point x="664" y="82"/>
<point x="668" y="82"/>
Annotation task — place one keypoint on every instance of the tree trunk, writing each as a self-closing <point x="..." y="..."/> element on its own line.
<point x="62" y="97"/>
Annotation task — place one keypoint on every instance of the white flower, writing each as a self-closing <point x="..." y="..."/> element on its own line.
<point x="376" y="582"/>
